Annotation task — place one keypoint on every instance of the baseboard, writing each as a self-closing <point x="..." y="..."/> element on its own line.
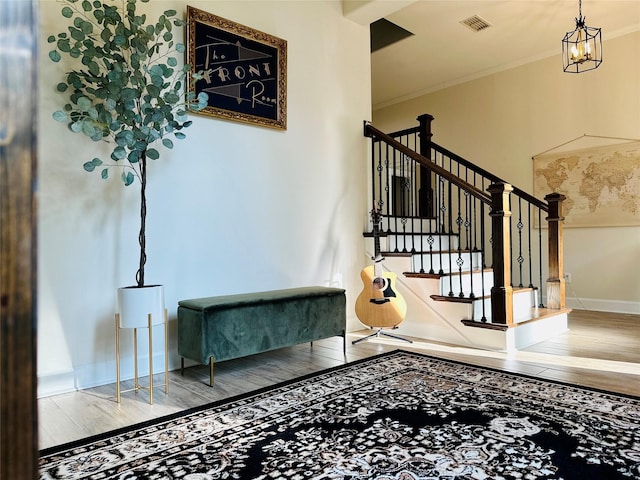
<point x="96" y="374"/>
<point x="601" y="305"/>
<point x="56" y="383"/>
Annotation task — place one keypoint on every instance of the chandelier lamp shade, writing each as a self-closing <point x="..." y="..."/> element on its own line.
<point x="581" y="48"/>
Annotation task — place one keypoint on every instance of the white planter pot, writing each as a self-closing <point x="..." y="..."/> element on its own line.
<point x="136" y="303"/>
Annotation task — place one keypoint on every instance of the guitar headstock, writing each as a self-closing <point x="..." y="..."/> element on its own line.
<point x="376" y="216"/>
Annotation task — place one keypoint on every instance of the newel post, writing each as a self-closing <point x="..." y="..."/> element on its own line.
<point x="555" y="283"/>
<point x="501" y="292"/>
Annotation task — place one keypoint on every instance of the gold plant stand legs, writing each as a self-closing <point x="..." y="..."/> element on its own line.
<point x="136" y="383"/>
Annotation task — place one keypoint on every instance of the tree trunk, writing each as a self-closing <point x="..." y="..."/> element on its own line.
<point x="142" y="239"/>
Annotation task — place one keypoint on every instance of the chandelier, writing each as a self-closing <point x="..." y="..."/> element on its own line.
<point x="582" y="48"/>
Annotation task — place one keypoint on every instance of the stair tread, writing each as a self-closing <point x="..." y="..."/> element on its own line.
<point x="427" y="252"/>
<point x="537" y="313"/>
<point x="458" y="299"/>
<point x="444" y="274"/>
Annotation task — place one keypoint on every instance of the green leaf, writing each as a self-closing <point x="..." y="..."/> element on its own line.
<point x="153" y="154"/>
<point x="86" y="28"/>
<point x="60" y="116"/>
<point x="97" y="135"/>
<point x="67" y="12"/>
<point x="91" y="166"/>
<point x="203" y="100"/>
<point x="76" y="127"/>
<point x="171" y="98"/>
<point x="134" y="156"/>
<point x="77" y="34"/>
<point x="118" y="153"/>
<point x="88" y="128"/>
<point x="94" y="68"/>
<point x="129" y="94"/>
<point x="124" y="138"/>
<point x="172" y="62"/>
<point x="64" y="45"/>
<point x="180" y="135"/>
<point x="54" y="56"/>
<point x="105" y="35"/>
<point x="51" y="39"/>
<point x="84" y="104"/>
<point x="86" y="6"/>
<point x="105" y="173"/>
<point x="127" y="178"/>
<point x="167" y="143"/>
<point x="180" y="47"/>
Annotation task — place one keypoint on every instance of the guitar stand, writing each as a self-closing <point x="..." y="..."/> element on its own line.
<point x="379" y="332"/>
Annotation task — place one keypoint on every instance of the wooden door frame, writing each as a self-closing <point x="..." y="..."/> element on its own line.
<point x="18" y="254"/>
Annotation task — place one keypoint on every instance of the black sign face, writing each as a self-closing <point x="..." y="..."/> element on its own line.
<point x="244" y="71"/>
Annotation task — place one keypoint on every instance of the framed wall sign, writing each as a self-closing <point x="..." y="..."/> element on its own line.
<point x="245" y="70"/>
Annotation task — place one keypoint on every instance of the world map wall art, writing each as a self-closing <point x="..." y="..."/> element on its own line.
<point x="602" y="184"/>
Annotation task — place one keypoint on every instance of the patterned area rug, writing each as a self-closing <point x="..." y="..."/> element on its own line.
<point x="396" y="416"/>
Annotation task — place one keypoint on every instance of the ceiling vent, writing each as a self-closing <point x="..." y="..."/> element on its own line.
<point x="476" y="23"/>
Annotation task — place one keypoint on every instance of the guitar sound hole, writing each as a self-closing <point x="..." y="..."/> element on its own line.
<point x="380" y="283"/>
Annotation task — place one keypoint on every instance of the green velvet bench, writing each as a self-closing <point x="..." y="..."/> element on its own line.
<point x="233" y="326"/>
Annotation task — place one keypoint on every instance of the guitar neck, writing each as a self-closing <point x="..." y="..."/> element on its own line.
<point x="377" y="258"/>
<point x="376" y="242"/>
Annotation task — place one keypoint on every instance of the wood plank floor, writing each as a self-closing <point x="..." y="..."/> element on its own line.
<point x="601" y="350"/>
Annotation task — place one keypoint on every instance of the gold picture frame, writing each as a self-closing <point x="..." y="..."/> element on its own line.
<point x="245" y="70"/>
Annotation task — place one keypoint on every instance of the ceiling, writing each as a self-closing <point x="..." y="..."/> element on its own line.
<point x="444" y="52"/>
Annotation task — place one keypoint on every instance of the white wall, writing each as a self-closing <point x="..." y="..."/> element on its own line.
<point x="501" y="121"/>
<point x="233" y="208"/>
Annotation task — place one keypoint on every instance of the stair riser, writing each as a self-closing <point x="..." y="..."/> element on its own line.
<point x="522" y="303"/>
<point x="470" y="261"/>
<point x="465" y="282"/>
<point x="420" y="243"/>
<point x="410" y="225"/>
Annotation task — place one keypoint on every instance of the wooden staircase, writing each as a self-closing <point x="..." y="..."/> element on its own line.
<point x="467" y="247"/>
<point x="463" y="318"/>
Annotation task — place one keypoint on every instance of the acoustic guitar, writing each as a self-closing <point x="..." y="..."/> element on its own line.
<point x="379" y="305"/>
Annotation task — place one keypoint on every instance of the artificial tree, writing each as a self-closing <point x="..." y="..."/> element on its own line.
<point x="125" y="87"/>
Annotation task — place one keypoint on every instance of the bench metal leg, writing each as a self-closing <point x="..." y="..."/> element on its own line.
<point x="211" y="371"/>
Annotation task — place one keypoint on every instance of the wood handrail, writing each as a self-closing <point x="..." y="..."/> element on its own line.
<point x="493" y="178"/>
<point x="371" y="131"/>
<point x="474" y="168"/>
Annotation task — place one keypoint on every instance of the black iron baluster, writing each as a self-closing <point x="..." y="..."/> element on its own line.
<point x="483" y="261"/>
<point x="529" y="228"/>
<point x="469" y="202"/>
<point x="520" y="226"/>
<point x="540" y="253"/>
<point x="443" y="210"/>
<point x="387" y="203"/>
